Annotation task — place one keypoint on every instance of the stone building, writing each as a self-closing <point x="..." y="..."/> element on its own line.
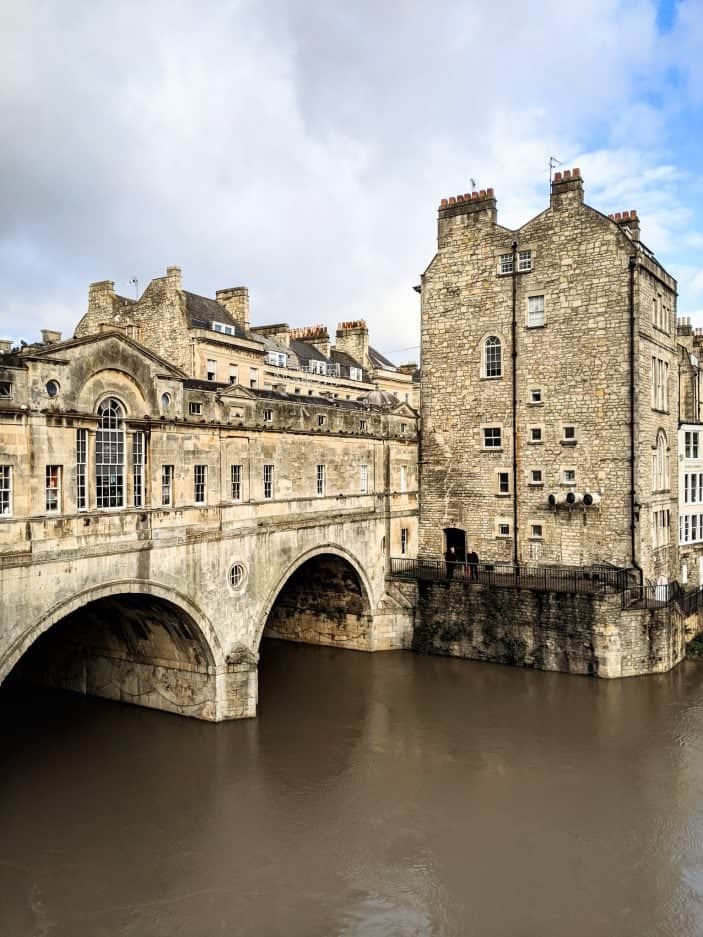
<point x="690" y="462"/>
<point x="554" y="440"/>
<point x="213" y="340"/>
<point x="154" y="524"/>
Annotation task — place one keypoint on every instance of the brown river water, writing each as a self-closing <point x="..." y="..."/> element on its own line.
<point x="385" y="794"/>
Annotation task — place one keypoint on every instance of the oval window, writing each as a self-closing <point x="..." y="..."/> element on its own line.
<point x="236" y="575"/>
<point x="165" y="400"/>
<point x="52" y="388"/>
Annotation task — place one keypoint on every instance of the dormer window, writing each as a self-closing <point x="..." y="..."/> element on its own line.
<point x="277" y="358"/>
<point x="195" y="409"/>
<point x="223" y="328"/>
<point x="356" y="374"/>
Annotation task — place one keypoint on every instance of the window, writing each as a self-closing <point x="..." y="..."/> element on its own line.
<point x="524" y="261"/>
<point x="403" y="428"/>
<point x="109" y="455"/>
<point x="5" y="490"/>
<point x="276" y="358"/>
<point x="211" y="370"/>
<point x="660" y="313"/>
<point x="5" y="389"/>
<point x="235" y="473"/>
<point x="492" y="357"/>
<point x="660" y="384"/>
<point x="568" y="476"/>
<point x="535" y="434"/>
<point x="253" y="377"/>
<point x="404" y="540"/>
<point x="492" y="437"/>
<point x="356" y="374"/>
<point x="362" y="426"/>
<point x="268" y="481"/>
<point x="535" y="311"/>
<point x="268" y="416"/>
<point x="320" y="420"/>
<point x="236" y="575"/>
<point x="505" y="263"/>
<point x="693" y="488"/>
<point x="503" y="483"/>
<point x="690" y="527"/>
<point x="536" y="477"/>
<point x="81" y="469"/>
<point x="536" y="395"/>
<point x="233" y="375"/>
<point x="167" y="485"/>
<point x="195" y="409"/>
<point x="320" y="481"/>
<point x="165" y="401"/>
<point x="503" y="529"/>
<point x="222" y="327"/>
<point x="569" y="435"/>
<point x="52" y="388"/>
<point x="200" y="483"/>
<point x="138" y="462"/>
<point x="364" y="479"/>
<point x="536" y="531"/>
<point x="53" y="488"/>
<point x="403" y="478"/>
<point x="661" y="527"/>
<point x="691" y="445"/>
<point x="660" y="464"/>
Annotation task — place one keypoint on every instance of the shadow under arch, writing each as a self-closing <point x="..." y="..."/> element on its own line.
<point x="132" y="641"/>
<point x="322" y="603"/>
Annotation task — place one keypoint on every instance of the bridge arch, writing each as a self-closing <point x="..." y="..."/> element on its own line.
<point x="336" y="561"/>
<point x="129" y="640"/>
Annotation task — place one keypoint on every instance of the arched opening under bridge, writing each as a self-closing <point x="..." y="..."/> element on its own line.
<point x="324" y="600"/>
<point x="132" y="647"/>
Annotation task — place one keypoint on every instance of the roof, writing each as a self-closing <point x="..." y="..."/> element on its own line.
<point x="305" y="351"/>
<point x="379" y="361"/>
<point x="341" y="357"/>
<point x="201" y="312"/>
<point x="55" y="348"/>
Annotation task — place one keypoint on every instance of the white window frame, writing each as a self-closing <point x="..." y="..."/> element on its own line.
<point x="200" y="484"/>
<point x="235" y="481"/>
<point x="536" y="531"/>
<point x="539" y="438"/>
<point x="356" y="374"/>
<point x="493" y="442"/>
<point x="195" y="408"/>
<point x="363" y="478"/>
<point x="503" y="528"/>
<point x="691" y="444"/>
<point x="268" y="477"/>
<point x="5" y="491"/>
<point x="536" y="395"/>
<point x="167" y="499"/>
<point x="492" y="357"/>
<point x="52" y="488"/>
<point x="568" y="476"/>
<point x="505" y="264"/>
<point x="81" y="469"/>
<point x="533" y="479"/>
<point x="499" y="482"/>
<point x="524" y="261"/>
<point x="536" y="317"/>
<point x="223" y="328"/>
<point x="320" y="480"/>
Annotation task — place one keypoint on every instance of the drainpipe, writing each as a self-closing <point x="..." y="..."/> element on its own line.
<point x="515" y="439"/>
<point x="633" y="495"/>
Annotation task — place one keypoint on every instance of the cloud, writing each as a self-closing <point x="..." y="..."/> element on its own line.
<point x="301" y="147"/>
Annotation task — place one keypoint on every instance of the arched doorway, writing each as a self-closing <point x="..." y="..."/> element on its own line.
<point x="455" y="537"/>
<point x="131" y="647"/>
<point x="323" y="601"/>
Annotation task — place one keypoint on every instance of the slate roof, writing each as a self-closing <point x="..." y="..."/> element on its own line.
<point x="379" y="361"/>
<point x="305" y="351"/>
<point x="202" y="312"/>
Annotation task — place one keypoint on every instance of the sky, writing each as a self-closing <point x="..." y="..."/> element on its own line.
<point x="301" y="148"/>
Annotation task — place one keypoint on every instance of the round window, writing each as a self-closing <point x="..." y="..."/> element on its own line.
<point x="52" y="388"/>
<point x="236" y="576"/>
<point x="165" y="400"/>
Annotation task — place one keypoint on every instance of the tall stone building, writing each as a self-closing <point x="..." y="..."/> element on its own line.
<point x="549" y="388"/>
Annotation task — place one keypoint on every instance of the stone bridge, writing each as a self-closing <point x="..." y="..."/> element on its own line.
<point x="131" y="608"/>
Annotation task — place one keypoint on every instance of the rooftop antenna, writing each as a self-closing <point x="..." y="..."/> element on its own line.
<point x="473" y="183"/>
<point x="135" y="283"/>
<point x="553" y="161"/>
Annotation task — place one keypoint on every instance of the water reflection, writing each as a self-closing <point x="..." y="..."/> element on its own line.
<point x="375" y="794"/>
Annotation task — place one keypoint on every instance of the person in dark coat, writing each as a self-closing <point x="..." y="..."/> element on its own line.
<point x="472" y="562"/>
<point x="452" y="560"/>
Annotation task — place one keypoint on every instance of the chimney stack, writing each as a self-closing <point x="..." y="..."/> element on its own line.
<point x="352" y="338"/>
<point x="567" y="188"/>
<point x="236" y="302"/>
<point x="456" y="211"/>
<point x="50" y="337"/>
<point x="315" y="335"/>
<point x="5" y="346"/>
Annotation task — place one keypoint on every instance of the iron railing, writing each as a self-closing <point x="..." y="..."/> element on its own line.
<point x="594" y="578"/>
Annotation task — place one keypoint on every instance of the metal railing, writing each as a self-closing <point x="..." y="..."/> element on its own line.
<point x="594" y="578"/>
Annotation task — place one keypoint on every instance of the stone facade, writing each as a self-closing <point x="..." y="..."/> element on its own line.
<point x="554" y="300"/>
<point x="152" y="521"/>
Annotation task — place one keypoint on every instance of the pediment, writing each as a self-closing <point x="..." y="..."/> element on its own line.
<point x="236" y="392"/>
<point x="93" y="345"/>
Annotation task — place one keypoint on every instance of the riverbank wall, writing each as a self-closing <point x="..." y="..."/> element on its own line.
<point x="579" y="633"/>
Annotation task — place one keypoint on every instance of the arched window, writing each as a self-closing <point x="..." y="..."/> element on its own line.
<point x="660" y="464"/>
<point x="492" y="357"/>
<point x="109" y="455"/>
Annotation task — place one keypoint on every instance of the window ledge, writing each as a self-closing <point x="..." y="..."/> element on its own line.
<point x="535" y="403"/>
<point x="535" y="442"/>
<point x="659" y="410"/>
<point x="491" y="377"/>
<point x="536" y="539"/>
<point x="567" y="484"/>
<point x="531" y="327"/>
<point x="492" y="449"/>
<point x="568" y="442"/>
<point x="503" y="494"/>
<point x="535" y="484"/>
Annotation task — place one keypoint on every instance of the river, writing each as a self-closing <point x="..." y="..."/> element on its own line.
<point x="375" y="794"/>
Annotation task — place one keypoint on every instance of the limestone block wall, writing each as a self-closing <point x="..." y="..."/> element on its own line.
<point x="572" y="633"/>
